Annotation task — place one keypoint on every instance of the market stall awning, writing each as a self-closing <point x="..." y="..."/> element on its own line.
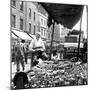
<point x="33" y="36"/>
<point x="65" y="14"/>
<point x="13" y="36"/>
<point x="21" y="35"/>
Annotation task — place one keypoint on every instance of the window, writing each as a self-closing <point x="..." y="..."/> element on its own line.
<point x="38" y="26"/>
<point x="48" y="36"/>
<point x="13" y="21"/>
<point x="38" y="29"/>
<point x="21" y="23"/>
<point x="34" y="16"/>
<point x="21" y="5"/>
<point x="30" y="27"/>
<point x="41" y="21"/>
<point x="34" y="30"/>
<point x="13" y="2"/>
<point x="30" y="12"/>
<point x="42" y="31"/>
<point x="44" y="22"/>
<point x="71" y="39"/>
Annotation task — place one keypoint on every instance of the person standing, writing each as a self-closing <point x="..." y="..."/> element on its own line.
<point x="19" y="56"/>
<point x="36" y="47"/>
<point x="61" y="52"/>
<point x="25" y="50"/>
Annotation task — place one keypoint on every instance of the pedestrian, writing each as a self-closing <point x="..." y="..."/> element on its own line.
<point x="12" y="53"/>
<point x="26" y="53"/>
<point x="19" y="56"/>
<point x="25" y="50"/>
<point x="54" y="53"/>
<point x="61" y="52"/>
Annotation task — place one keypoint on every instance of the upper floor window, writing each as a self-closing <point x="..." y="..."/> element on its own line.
<point x="30" y="27"/>
<point x="34" y="31"/>
<point x="13" y="21"/>
<point x="44" y="23"/>
<point x="41" y="21"/>
<point x="30" y="12"/>
<point x="21" y="5"/>
<point x="44" y="32"/>
<point x="34" y="16"/>
<point x="13" y="2"/>
<point x="38" y="26"/>
<point x="21" y="23"/>
<point x="48" y="36"/>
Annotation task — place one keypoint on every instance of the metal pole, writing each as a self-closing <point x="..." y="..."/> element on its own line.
<point x="53" y="22"/>
<point x="79" y="39"/>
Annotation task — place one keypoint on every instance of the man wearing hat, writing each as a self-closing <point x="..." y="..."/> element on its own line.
<point x="37" y="47"/>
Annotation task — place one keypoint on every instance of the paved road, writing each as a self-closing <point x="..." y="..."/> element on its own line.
<point x="13" y="70"/>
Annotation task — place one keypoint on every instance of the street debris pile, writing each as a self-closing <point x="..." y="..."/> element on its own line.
<point x="57" y="73"/>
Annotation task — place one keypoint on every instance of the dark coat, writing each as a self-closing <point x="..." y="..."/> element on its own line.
<point x="18" y="53"/>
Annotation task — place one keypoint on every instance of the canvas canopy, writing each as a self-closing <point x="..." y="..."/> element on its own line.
<point x="65" y="14"/>
<point x="21" y="35"/>
<point x="13" y="36"/>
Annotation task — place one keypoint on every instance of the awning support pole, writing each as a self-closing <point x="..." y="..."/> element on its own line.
<point x="79" y="39"/>
<point x="52" y="36"/>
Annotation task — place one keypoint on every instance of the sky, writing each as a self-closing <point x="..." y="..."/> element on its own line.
<point x="84" y="23"/>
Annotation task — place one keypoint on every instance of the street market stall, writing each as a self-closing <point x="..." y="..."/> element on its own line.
<point x="54" y="73"/>
<point x="15" y="35"/>
<point x="65" y="14"/>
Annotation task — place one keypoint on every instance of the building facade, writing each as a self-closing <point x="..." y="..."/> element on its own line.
<point x="56" y="33"/>
<point x="18" y="15"/>
<point x="49" y="32"/>
<point x="63" y="32"/>
<point x="31" y="17"/>
<point x="56" y="38"/>
<point x="42" y="22"/>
